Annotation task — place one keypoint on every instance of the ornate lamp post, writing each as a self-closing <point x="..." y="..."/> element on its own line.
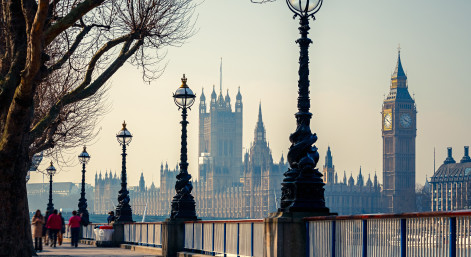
<point x="84" y="157"/>
<point x="51" y="171"/>
<point x="183" y="203"/>
<point x="123" y="210"/>
<point x="302" y="188"/>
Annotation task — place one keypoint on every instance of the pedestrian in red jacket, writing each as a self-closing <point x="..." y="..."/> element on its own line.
<point x="54" y="224"/>
<point x="74" y="225"/>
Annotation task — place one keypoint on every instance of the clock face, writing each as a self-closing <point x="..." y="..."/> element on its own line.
<point x="387" y="121"/>
<point x="406" y="120"/>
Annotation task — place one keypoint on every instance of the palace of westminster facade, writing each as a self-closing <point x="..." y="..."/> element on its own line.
<point x="233" y="184"/>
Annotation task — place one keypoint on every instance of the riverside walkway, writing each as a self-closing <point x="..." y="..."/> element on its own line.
<point x="90" y="250"/>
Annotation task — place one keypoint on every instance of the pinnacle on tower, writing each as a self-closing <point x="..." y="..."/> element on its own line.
<point x="202" y="97"/>
<point x="228" y="98"/>
<point x="328" y="159"/>
<point x="399" y="71"/>
<point x="213" y="94"/>
<point x="239" y="96"/>
<point x="260" y="128"/>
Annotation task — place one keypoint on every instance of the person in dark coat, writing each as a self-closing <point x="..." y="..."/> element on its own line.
<point x="60" y="236"/>
<point x="111" y="217"/>
<point x="45" y="232"/>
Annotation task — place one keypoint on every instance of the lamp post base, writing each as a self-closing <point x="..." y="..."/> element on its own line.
<point x="124" y="213"/>
<point x="183" y="208"/>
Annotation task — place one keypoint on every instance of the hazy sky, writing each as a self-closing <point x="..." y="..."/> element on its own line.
<point x="352" y="59"/>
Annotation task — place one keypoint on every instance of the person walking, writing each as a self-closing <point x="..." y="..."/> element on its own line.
<point x="60" y="236"/>
<point x="38" y="222"/>
<point x="74" y="227"/>
<point x="54" y="224"/>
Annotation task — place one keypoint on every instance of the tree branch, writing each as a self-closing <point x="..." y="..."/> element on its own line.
<point x="86" y="91"/>
<point x="71" y="50"/>
<point x="69" y="20"/>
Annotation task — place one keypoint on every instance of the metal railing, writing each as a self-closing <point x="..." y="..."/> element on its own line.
<point x="226" y="237"/>
<point x="88" y="232"/>
<point x="148" y="234"/>
<point x="434" y="234"/>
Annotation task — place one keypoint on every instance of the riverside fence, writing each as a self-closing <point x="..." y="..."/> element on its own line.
<point x="434" y="234"/>
<point x="444" y="234"/>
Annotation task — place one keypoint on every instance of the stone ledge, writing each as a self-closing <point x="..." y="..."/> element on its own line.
<point x="142" y="249"/>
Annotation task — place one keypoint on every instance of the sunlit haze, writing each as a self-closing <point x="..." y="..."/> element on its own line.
<point x="351" y="61"/>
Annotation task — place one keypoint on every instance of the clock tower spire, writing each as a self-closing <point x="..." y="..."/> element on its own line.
<point x="399" y="133"/>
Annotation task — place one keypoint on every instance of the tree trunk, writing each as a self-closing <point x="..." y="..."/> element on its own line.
<point x="16" y="238"/>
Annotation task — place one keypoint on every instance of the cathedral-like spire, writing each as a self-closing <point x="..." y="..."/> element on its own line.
<point x="328" y="159"/>
<point x="399" y="71"/>
<point x="228" y="101"/>
<point x="398" y="88"/>
<point x="368" y="182"/>
<point x="239" y="96"/>
<point x="360" y="179"/>
<point x="202" y="97"/>
<point x="344" y="177"/>
<point x="202" y="102"/>
<point x="213" y="94"/>
<point x="260" y="128"/>
<point x="228" y="98"/>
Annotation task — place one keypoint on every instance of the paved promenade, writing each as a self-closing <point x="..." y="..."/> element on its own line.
<point x="89" y="250"/>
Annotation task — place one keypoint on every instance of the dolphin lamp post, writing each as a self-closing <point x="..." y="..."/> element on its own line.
<point x="84" y="157"/>
<point x="302" y="188"/>
<point x="51" y="171"/>
<point x="123" y="210"/>
<point x="183" y="203"/>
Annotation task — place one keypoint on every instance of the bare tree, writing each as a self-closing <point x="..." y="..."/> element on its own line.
<point x="55" y="59"/>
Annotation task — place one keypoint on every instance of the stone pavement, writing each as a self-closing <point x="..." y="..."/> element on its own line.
<point x="88" y="250"/>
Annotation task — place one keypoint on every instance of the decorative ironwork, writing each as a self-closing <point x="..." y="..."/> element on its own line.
<point x="84" y="157"/>
<point x="183" y="203"/>
<point x="51" y="171"/>
<point x="303" y="187"/>
<point x="123" y="210"/>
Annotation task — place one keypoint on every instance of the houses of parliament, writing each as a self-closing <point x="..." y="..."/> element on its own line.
<point x="236" y="184"/>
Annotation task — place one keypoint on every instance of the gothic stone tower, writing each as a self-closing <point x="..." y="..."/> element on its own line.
<point x="399" y="129"/>
<point x="220" y="141"/>
<point x="329" y="169"/>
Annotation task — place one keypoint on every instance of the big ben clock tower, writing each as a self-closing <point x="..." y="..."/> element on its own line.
<point x="399" y="126"/>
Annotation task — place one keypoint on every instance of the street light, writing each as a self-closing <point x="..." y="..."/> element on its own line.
<point x="183" y="203"/>
<point x="84" y="157"/>
<point x="302" y="188"/>
<point x="51" y="171"/>
<point x="123" y="210"/>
